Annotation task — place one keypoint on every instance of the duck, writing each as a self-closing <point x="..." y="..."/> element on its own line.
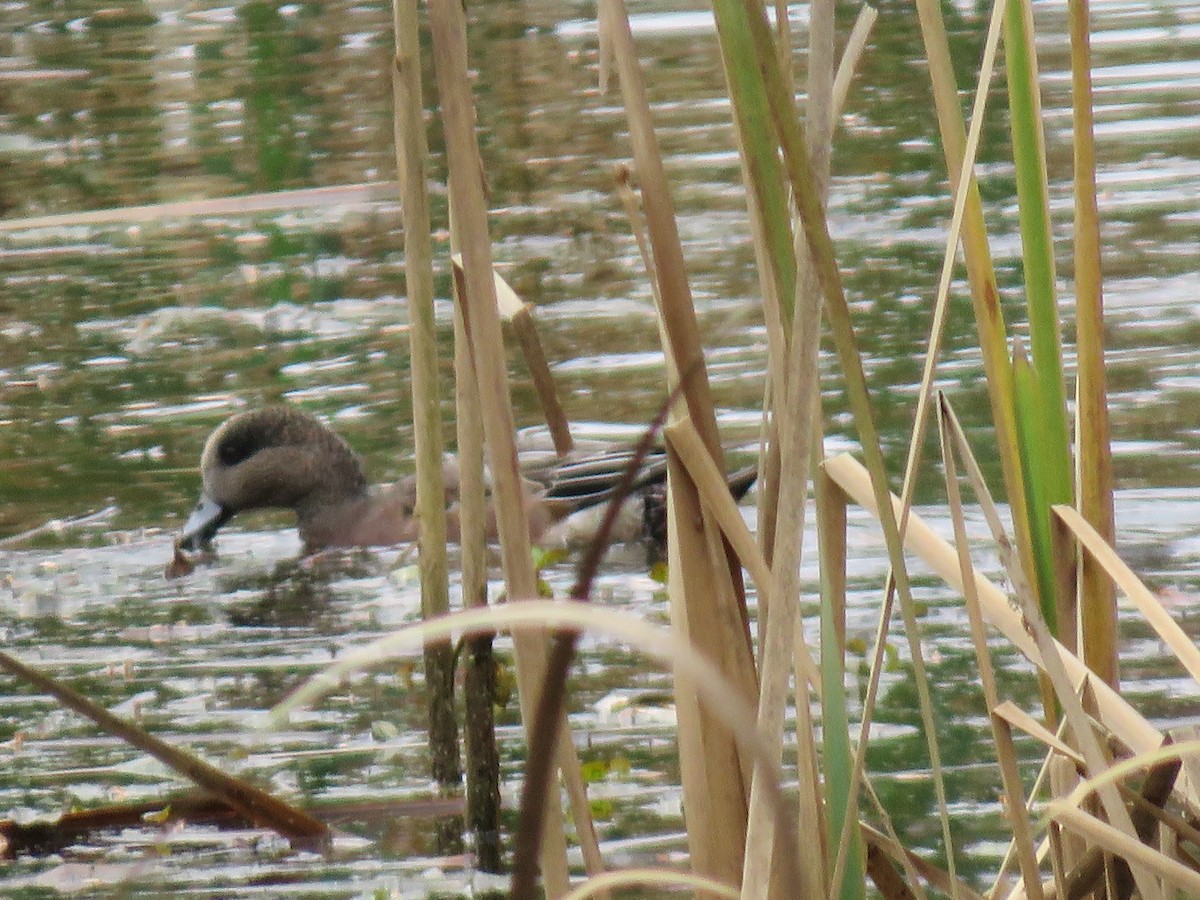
<point x="283" y="457"/>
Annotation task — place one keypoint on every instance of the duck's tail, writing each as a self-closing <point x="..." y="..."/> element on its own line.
<point x="741" y="481"/>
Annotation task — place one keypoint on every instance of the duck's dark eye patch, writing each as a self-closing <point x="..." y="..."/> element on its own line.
<point x="235" y="448"/>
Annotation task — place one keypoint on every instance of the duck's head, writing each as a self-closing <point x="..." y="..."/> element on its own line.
<point x="277" y="457"/>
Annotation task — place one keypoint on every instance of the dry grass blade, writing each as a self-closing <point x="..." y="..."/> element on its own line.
<point x="1052" y="657"/>
<point x="1094" y="473"/>
<point x="961" y="193"/>
<point x="1116" y="841"/>
<point x="1002" y="736"/>
<point x="543" y="382"/>
<point x="714" y="492"/>
<point x="670" y="272"/>
<point x="720" y="694"/>
<point x="254" y="803"/>
<point x="989" y="318"/>
<point x="1146" y="814"/>
<point x="520" y="315"/>
<point x="991" y="514"/>
<point x="931" y="873"/>
<point x="855" y="44"/>
<point x="703" y="585"/>
<point x="805" y="189"/>
<point x="1118" y="772"/>
<point x="1133" y="588"/>
<point x="1114" y="711"/>
<point x="1018" y="718"/>
<point x="914" y="886"/>
<point x="660" y="878"/>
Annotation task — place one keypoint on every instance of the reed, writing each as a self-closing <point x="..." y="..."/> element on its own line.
<point x="252" y="802"/>
<point x="1094" y="475"/>
<point x="721" y="697"/>
<point x="482" y="330"/>
<point x="731" y="779"/>
<point x="479" y="684"/>
<point x="411" y="163"/>
<point x="702" y="587"/>
<point x="1041" y="407"/>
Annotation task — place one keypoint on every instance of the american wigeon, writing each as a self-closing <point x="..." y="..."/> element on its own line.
<point x="280" y="457"/>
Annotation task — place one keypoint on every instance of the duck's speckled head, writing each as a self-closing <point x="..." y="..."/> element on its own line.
<point x="277" y="457"/>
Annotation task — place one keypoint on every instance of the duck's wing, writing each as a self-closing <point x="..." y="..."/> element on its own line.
<point x="581" y="482"/>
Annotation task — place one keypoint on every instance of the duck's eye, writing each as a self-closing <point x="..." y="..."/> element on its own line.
<point x="236" y="448"/>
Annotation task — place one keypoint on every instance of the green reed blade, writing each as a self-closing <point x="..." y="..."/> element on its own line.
<point x="752" y="114"/>
<point x="1036" y="448"/>
<point x="1044" y="391"/>
<point x="835" y="720"/>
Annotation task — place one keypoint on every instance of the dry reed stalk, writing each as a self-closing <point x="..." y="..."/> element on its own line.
<point x="1064" y="777"/>
<point x="949" y="254"/>
<point x="701" y="586"/>
<point x="255" y="804"/>
<point x="777" y="337"/>
<point x="931" y="873"/>
<point x="1139" y="856"/>
<point x="950" y="426"/>
<point x="1057" y="860"/>
<point x="719" y="503"/>
<point x="803" y="185"/>
<point x="914" y="885"/>
<point x="798" y="430"/>
<point x="1012" y="715"/>
<point x="479" y="690"/>
<point x="543" y="383"/>
<point x="917" y="439"/>
<point x="1093" y="454"/>
<point x="411" y="162"/>
<point x="856" y="43"/>
<point x="448" y="29"/>
<point x="1066" y="567"/>
<point x="1147" y="814"/>
<point x="1182" y="828"/>
<point x="710" y="482"/>
<point x="1001" y="734"/>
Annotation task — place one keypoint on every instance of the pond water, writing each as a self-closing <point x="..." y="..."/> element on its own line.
<point x="123" y="343"/>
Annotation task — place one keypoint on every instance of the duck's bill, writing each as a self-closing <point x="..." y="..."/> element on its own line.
<point x="202" y="524"/>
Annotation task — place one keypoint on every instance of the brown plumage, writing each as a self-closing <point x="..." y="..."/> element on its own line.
<point x="280" y="457"/>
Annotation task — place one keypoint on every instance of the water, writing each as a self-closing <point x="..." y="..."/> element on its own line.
<point x="123" y="344"/>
